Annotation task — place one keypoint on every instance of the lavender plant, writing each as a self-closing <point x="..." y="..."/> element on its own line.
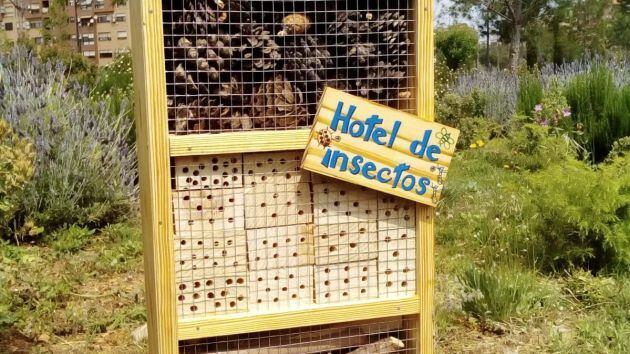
<point x="85" y="170"/>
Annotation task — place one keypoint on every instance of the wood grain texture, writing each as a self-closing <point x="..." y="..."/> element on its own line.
<point x="425" y="265"/>
<point x="308" y="316"/>
<point x="153" y="163"/>
<point x="238" y="142"/>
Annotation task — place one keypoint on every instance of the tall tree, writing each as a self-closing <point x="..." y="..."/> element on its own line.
<point x="513" y="15"/>
<point x="57" y="25"/>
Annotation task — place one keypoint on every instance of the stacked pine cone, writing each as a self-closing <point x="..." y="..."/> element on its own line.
<point x="234" y="67"/>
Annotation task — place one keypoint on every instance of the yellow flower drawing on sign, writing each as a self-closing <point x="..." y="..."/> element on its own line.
<point x="444" y="138"/>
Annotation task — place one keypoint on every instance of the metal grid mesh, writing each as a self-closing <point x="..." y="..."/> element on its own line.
<point x="236" y="65"/>
<point x="254" y="233"/>
<point x="388" y="335"/>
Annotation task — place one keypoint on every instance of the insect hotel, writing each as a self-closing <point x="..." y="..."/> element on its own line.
<point x="246" y="249"/>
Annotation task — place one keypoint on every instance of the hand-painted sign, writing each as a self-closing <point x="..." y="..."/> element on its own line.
<point x="378" y="147"/>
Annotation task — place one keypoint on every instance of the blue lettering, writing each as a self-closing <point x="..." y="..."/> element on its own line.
<point x="343" y="118"/>
<point x="326" y="159"/>
<point x="356" y="132"/>
<point x="378" y="134"/>
<point x="367" y="168"/>
<point x="379" y="175"/>
<point x="371" y="122"/>
<point x="433" y="149"/>
<point x="335" y="158"/>
<point x="356" y="165"/>
<point x="423" y="182"/>
<point x="392" y="138"/>
<point x="408" y="182"/>
<point x="398" y="171"/>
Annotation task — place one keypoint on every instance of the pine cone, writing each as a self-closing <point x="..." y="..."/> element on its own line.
<point x="305" y="63"/>
<point x="393" y="36"/>
<point x="382" y="82"/>
<point x="257" y="51"/>
<point x="350" y="27"/>
<point x="277" y="105"/>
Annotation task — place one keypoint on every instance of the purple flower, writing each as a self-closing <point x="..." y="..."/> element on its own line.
<point x="566" y="112"/>
<point x="538" y="107"/>
<point x="544" y="123"/>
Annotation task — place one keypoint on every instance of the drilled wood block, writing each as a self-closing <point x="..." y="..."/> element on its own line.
<point x="346" y="282"/>
<point x="340" y="202"/>
<point x="397" y="216"/>
<point x="282" y="246"/>
<point x="212" y="295"/>
<point x="198" y="254"/>
<point x="208" y="172"/>
<point x="282" y="288"/>
<point x="208" y="210"/>
<point x="277" y="193"/>
<point x="396" y="283"/>
<point x="397" y="255"/>
<point x="342" y="243"/>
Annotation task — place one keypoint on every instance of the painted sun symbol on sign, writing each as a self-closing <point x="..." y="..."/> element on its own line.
<point x="444" y="139"/>
<point x="325" y="137"/>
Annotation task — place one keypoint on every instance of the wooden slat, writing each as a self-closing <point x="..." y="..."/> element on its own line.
<point x="153" y="163"/>
<point x="238" y="142"/>
<point x="308" y="316"/>
<point x="425" y="267"/>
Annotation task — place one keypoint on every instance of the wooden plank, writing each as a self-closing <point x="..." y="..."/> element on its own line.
<point x="307" y="316"/>
<point x="153" y="163"/>
<point x="238" y="142"/>
<point x="199" y="254"/>
<point x="208" y="210"/>
<point x="425" y="266"/>
<point x="337" y="202"/>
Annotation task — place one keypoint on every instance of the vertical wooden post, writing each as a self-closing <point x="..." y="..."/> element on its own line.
<point x="425" y="266"/>
<point x="154" y="172"/>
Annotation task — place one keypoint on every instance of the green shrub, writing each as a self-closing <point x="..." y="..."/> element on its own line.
<point x="457" y="44"/>
<point x="601" y="107"/>
<point x="605" y="302"/>
<point x="70" y="240"/>
<point x="530" y="93"/>
<point x="85" y="167"/>
<point x="125" y="248"/>
<point x="526" y="199"/>
<point x="16" y="170"/>
<point x="500" y="294"/>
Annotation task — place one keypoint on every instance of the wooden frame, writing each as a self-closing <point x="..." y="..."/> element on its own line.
<point x="156" y="147"/>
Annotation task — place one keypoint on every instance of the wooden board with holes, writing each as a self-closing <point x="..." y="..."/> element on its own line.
<point x="282" y="246"/>
<point x="379" y="147"/>
<point x="277" y="192"/>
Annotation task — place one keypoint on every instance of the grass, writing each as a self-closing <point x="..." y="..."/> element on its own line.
<point x="82" y="292"/>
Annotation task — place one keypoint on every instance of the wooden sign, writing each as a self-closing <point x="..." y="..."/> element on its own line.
<point x="378" y="147"/>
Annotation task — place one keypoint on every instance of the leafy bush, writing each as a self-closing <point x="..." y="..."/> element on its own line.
<point x="70" y="240"/>
<point x="85" y="170"/>
<point x="499" y="294"/>
<point x="601" y="107"/>
<point x="530" y="93"/>
<point x="114" y="85"/>
<point x="126" y="248"/>
<point x="606" y="326"/>
<point x="466" y="114"/>
<point x="16" y="170"/>
<point x="527" y="199"/>
<point x="457" y="44"/>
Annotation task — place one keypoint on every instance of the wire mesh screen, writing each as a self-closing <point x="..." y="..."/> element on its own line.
<point x="235" y="65"/>
<point x="388" y="335"/>
<point x="254" y="233"/>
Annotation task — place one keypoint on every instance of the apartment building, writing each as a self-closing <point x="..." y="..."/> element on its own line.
<point x="99" y="29"/>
